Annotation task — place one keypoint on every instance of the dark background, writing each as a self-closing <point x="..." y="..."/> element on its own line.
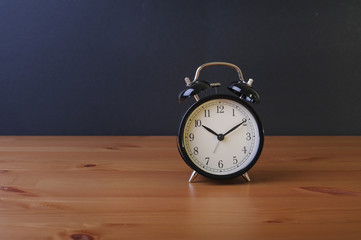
<point x="91" y="67"/>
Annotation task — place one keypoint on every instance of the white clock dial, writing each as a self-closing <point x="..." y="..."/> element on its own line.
<point x="221" y="136"/>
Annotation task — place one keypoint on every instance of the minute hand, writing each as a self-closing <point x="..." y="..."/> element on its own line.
<point x="234" y="128"/>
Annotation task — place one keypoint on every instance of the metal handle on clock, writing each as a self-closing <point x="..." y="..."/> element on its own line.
<point x="240" y="75"/>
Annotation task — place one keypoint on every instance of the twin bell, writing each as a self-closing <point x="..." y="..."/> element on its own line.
<point x="242" y="89"/>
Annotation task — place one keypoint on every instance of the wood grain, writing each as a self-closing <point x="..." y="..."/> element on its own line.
<point x="88" y="188"/>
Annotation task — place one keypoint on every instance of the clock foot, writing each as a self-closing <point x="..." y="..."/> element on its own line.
<point x="193" y="176"/>
<point x="246" y="177"/>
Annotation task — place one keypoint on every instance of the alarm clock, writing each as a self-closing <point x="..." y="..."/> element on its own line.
<point x="220" y="136"/>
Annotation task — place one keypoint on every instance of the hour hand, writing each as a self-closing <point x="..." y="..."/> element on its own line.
<point x="210" y="130"/>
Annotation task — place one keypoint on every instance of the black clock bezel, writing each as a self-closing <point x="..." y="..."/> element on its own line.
<point x="181" y="145"/>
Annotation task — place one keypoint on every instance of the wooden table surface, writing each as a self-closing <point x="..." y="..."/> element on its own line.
<point x="116" y="187"/>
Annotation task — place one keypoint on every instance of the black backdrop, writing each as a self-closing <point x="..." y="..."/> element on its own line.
<point x="102" y="67"/>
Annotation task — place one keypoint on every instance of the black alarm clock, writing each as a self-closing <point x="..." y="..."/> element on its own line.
<point x="220" y="136"/>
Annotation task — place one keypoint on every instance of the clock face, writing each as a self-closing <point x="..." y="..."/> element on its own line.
<point x="221" y="137"/>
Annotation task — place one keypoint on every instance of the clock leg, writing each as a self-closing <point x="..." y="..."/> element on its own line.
<point x="246" y="177"/>
<point x="193" y="176"/>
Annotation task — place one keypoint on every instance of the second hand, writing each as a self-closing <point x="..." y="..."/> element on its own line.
<point x="216" y="147"/>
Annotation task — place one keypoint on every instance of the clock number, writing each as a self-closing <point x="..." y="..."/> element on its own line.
<point x="235" y="161"/>
<point x="207" y="113"/>
<point x="248" y="136"/>
<point x="244" y="149"/>
<point x="220" y="109"/>
<point x="233" y="113"/>
<point x="191" y="137"/>
<point x="195" y="150"/>
<point x="197" y="123"/>
<point x="207" y="160"/>
<point x="220" y="163"/>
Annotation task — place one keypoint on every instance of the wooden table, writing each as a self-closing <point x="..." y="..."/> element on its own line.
<point x="117" y="187"/>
